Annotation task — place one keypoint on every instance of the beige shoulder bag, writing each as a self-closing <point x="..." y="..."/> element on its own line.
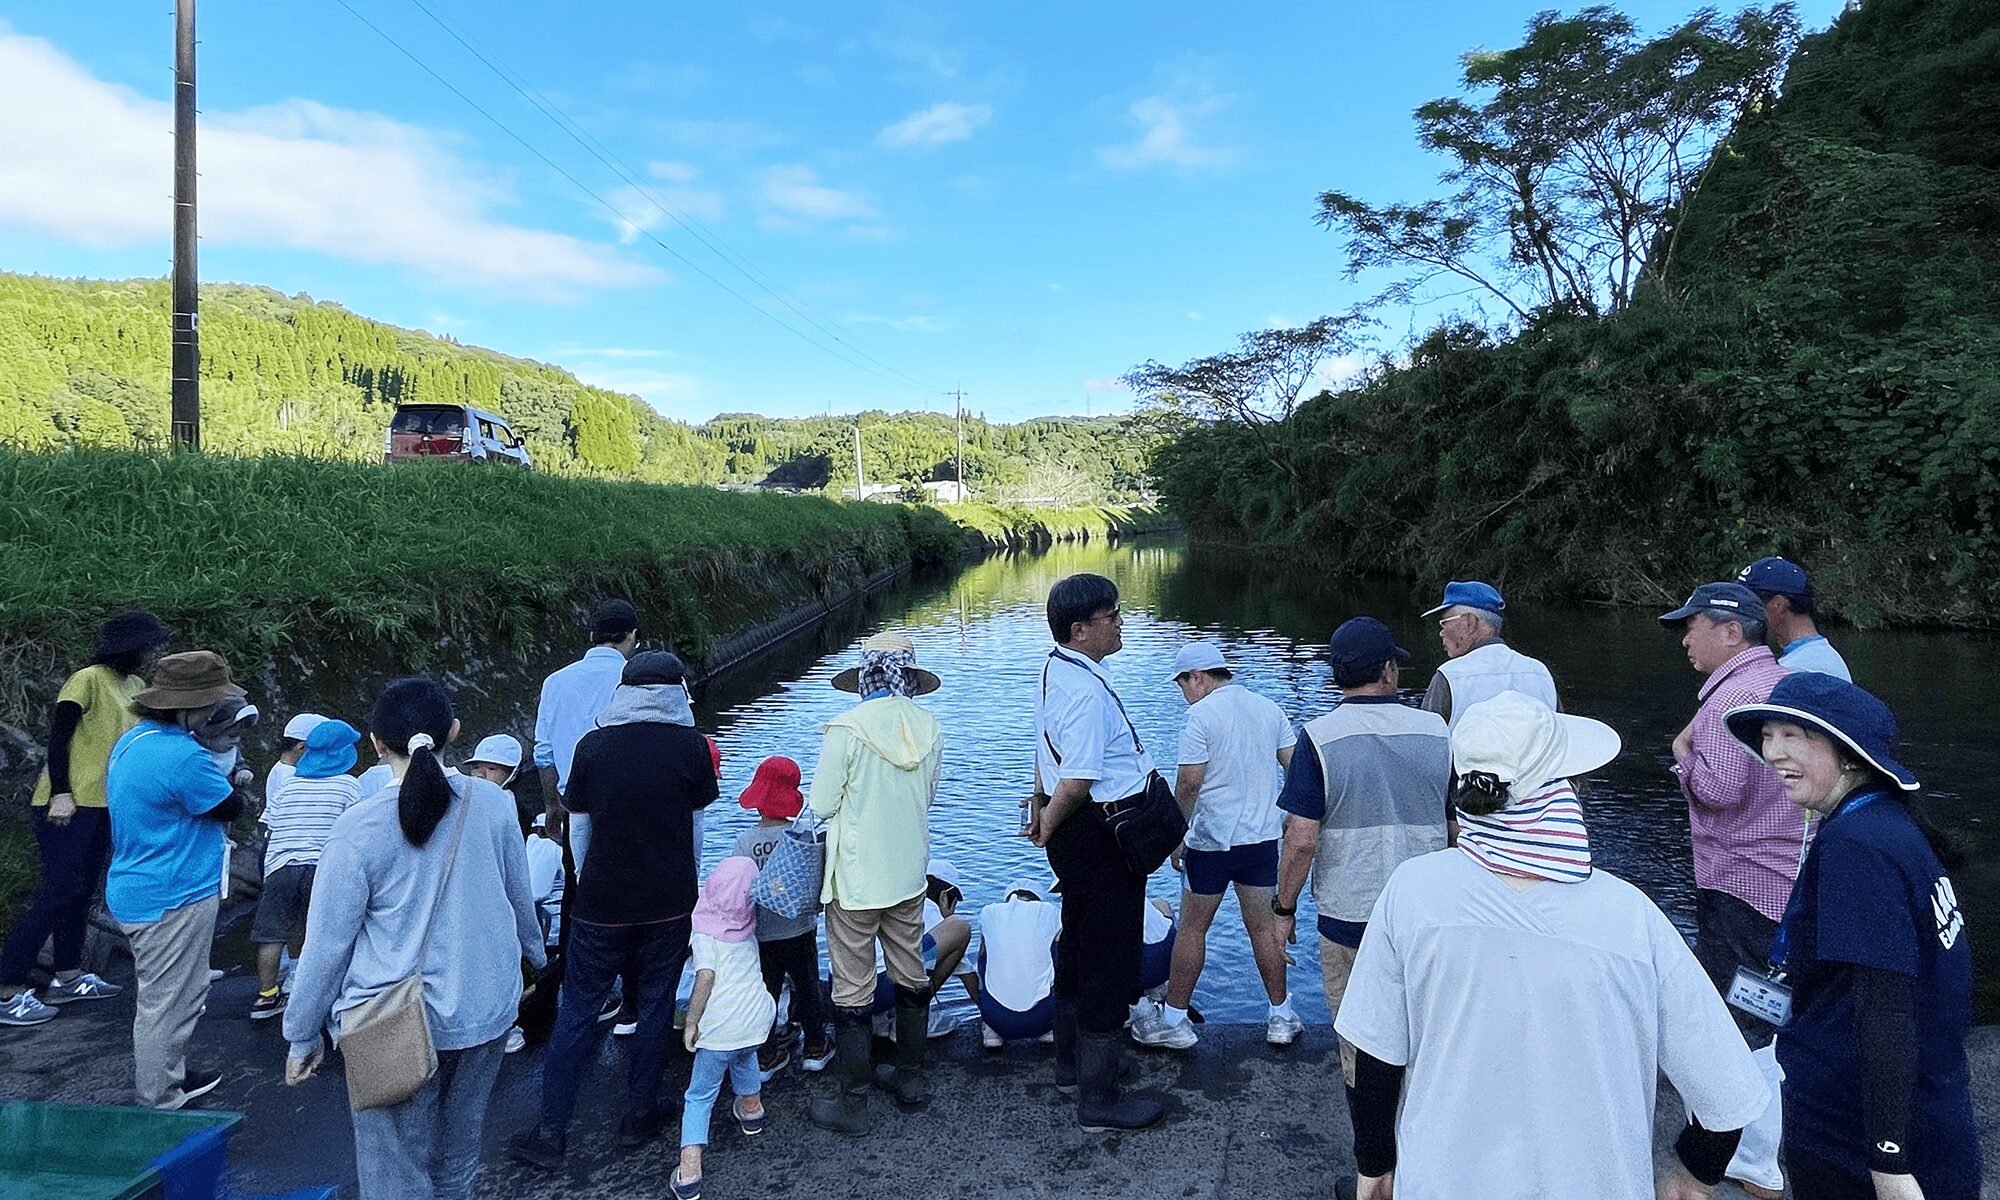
<point x="386" y="1039"/>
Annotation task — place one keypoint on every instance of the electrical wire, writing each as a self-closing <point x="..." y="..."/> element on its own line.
<point x="614" y="210"/>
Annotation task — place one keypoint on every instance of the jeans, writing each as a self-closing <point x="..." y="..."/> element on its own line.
<point x="705" y="1084"/>
<point x="170" y="958"/>
<point x="797" y="959"/>
<point x="649" y="955"/>
<point x="1103" y="925"/>
<point x="427" y="1147"/>
<point x="73" y="856"/>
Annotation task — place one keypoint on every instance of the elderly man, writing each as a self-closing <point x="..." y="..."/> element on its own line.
<point x="1368" y="794"/>
<point x="877" y="776"/>
<point x="571" y="699"/>
<point x="1788" y="610"/>
<point x="1748" y="838"/>
<point x="1089" y="762"/>
<point x="1235" y="744"/>
<point x="1478" y="664"/>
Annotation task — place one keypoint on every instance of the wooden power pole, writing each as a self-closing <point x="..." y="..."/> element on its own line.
<point x="860" y="484"/>
<point x="187" y="280"/>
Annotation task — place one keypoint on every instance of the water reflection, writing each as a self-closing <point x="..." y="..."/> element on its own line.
<point x="985" y="633"/>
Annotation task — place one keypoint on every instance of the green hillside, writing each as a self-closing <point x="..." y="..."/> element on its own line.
<point x="85" y="363"/>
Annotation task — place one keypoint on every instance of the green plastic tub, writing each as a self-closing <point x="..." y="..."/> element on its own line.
<point x="100" y="1152"/>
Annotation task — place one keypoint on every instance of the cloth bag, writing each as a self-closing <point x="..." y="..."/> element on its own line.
<point x="789" y="882"/>
<point x="1149" y="825"/>
<point x="386" y="1039"/>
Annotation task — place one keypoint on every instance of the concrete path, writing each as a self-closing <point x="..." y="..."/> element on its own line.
<point x="1245" y="1120"/>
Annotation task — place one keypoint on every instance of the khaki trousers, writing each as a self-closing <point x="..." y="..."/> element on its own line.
<point x="1336" y="965"/>
<point x="851" y="934"/>
<point x="170" y="956"/>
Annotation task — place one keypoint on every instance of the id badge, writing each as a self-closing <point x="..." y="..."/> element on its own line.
<point x="1761" y="996"/>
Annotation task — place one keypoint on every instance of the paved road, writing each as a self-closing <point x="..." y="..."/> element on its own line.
<point x="1245" y="1121"/>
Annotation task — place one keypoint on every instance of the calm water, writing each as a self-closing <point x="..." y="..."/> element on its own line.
<point x="985" y="633"/>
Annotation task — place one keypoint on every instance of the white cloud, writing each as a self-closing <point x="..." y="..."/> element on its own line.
<point x="1095" y="384"/>
<point x="664" y="390"/>
<point x="90" y="162"/>
<point x="1165" y="134"/>
<point x="673" y="172"/>
<point x="793" y="200"/>
<point x="937" y="125"/>
<point x="1337" y="372"/>
<point x="929" y="57"/>
<point x="1055" y="287"/>
<point x="1194" y="314"/>
<point x="643" y="209"/>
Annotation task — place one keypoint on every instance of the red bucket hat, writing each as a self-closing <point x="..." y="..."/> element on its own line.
<point x="774" y="790"/>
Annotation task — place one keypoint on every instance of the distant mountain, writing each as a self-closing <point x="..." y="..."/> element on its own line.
<point x="86" y="362"/>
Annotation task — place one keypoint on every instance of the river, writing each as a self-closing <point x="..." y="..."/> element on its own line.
<point x="984" y="632"/>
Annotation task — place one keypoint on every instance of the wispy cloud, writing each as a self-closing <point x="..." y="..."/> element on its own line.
<point x="938" y="125"/>
<point x="794" y="201"/>
<point x="87" y="161"/>
<point x="918" y="323"/>
<point x="937" y="61"/>
<point x="643" y="209"/>
<point x="670" y="392"/>
<point x="662" y="79"/>
<point x="1168" y="127"/>
<point x="619" y="352"/>
<point x="1096" y="384"/>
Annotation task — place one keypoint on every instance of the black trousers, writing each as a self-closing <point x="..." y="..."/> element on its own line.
<point x="1103" y="922"/>
<point x="1728" y="934"/>
<point x="797" y="959"/>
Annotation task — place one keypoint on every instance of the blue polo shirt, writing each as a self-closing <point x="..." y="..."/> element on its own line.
<point x="164" y="853"/>
<point x="1873" y="894"/>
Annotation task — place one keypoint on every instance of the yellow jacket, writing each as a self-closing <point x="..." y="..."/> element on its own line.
<point x="877" y="775"/>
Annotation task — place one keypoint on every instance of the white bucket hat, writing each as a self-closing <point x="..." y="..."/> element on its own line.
<point x="1519" y="740"/>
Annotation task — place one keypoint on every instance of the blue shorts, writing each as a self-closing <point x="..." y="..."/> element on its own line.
<point x="1210" y="872"/>
<point x="1011" y="1025"/>
<point x="1156" y="960"/>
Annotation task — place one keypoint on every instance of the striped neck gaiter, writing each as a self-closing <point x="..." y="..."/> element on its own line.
<point x="1540" y="836"/>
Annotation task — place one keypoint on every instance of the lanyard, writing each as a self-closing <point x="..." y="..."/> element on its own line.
<point x="1783" y="936"/>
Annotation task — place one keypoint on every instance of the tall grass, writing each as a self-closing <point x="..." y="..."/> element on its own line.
<point x="1017" y="526"/>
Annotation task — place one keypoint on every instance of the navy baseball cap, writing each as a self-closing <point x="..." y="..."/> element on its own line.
<point x="1723" y="600"/>
<point x="1776" y="575"/>
<point x="1360" y="646"/>
<point x="1834" y="707"/>
<point x="1472" y="594"/>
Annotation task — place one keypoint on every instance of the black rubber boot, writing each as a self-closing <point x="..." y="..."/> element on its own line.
<point x="846" y="1110"/>
<point x="1100" y="1108"/>
<point x="906" y="1077"/>
<point x="1065" y="1030"/>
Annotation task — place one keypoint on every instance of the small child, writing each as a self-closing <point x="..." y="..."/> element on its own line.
<point x="300" y="818"/>
<point x="788" y="947"/>
<point x="291" y="744"/>
<point x="727" y="1018"/>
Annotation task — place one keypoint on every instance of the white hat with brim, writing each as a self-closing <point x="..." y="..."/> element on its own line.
<point x="499" y="749"/>
<point x="943" y="870"/>
<point x="300" y="727"/>
<point x="1519" y="740"/>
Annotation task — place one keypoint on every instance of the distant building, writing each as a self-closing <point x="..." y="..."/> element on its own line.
<point x="941" y="491"/>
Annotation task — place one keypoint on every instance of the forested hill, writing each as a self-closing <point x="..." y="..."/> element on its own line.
<point x="86" y="362"/>
<point x="1817" y="376"/>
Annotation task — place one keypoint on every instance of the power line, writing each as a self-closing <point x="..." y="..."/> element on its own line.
<point x="610" y="207"/>
<point x="603" y="154"/>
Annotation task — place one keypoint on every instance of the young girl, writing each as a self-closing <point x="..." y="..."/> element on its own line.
<point x="728" y="1016"/>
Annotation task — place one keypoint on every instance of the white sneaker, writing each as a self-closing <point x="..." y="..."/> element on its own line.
<point x="1148" y="1009"/>
<point x="1155" y="1031"/>
<point x="1283" y="1029"/>
<point x="990" y="1037"/>
<point x="25" y="1009"/>
<point x="942" y="1024"/>
<point x="516" y="1041"/>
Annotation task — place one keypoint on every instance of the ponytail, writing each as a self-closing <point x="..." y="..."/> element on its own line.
<point x="414" y="717"/>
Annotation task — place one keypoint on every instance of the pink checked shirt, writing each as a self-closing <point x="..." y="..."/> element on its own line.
<point x="1747" y="835"/>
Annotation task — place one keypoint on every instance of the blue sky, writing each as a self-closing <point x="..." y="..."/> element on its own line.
<point x="1024" y="200"/>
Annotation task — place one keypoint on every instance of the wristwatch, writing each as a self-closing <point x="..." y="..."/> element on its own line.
<point x="1280" y="909"/>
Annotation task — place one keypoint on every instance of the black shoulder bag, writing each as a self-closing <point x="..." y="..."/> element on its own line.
<point x="1149" y="825"/>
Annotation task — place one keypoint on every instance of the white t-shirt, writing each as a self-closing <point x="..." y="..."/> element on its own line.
<point x="276" y="778"/>
<point x="1020" y="951"/>
<point x="739" y="1011"/>
<point x="1535" y="1025"/>
<point x="545" y="879"/>
<point x="1158" y="924"/>
<point x="1236" y="734"/>
<point x="1078" y="719"/>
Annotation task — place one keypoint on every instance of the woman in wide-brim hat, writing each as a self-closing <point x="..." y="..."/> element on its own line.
<point x="72" y="826"/>
<point x="170" y="806"/>
<point x="1874" y="947"/>
<point x="889" y="660"/>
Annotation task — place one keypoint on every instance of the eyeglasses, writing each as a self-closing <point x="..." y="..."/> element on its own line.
<point x="1448" y="620"/>
<point x="1114" y="616"/>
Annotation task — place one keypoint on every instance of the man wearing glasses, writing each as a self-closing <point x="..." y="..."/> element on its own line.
<point x="1478" y="664"/>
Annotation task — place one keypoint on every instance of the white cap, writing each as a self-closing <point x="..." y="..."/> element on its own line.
<point x="943" y="870"/>
<point x="498" y="749"/>
<point x="1522" y="741"/>
<point x="299" y="728"/>
<point x="1030" y="887"/>
<point x="1198" y="656"/>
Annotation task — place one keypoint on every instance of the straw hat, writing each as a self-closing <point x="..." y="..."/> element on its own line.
<point x="922" y="682"/>
<point x="191" y="679"/>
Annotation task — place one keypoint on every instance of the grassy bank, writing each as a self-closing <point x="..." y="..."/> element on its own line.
<point x="1014" y="527"/>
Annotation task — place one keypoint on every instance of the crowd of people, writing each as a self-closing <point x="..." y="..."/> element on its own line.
<point x="1469" y="946"/>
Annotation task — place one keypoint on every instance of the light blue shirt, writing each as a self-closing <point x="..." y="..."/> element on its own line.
<point x="571" y="700"/>
<point x="165" y="854"/>
<point x="1814" y="653"/>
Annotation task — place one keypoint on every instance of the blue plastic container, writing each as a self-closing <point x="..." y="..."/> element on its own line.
<point x="102" y="1152"/>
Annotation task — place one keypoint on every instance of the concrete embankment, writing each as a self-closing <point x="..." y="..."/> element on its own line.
<point x="1245" y="1120"/>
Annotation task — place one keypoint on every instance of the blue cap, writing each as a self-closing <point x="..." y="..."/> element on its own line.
<point x="1776" y="575"/>
<point x="329" y="750"/>
<point x="1472" y="594"/>
<point x="1836" y="708"/>
<point x="1359" y="648"/>
<point x="1721" y="601"/>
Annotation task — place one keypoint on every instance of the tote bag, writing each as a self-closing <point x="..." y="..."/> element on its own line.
<point x="790" y="880"/>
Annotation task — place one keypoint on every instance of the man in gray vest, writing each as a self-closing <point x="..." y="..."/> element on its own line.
<point x="1478" y="664"/>
<point x="1367" y="790"/>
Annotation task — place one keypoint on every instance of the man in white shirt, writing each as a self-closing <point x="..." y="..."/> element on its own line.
<point x="1235" y="745"/>
<point x="1089" y="759"/>
<point x="1478" y="663"/>
<point x="1017" y="966"/>
<point x="571" y="699"/>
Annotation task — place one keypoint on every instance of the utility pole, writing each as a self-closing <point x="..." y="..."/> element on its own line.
<point x="187" y="280"/>
<point x="958" y="420"/>
<point x="860" y="487"/>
